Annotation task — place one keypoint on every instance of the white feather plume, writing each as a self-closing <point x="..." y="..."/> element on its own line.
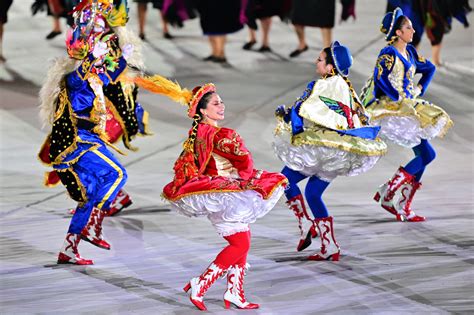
<point x="51" y="87"/>
<point x="129" y="37"/>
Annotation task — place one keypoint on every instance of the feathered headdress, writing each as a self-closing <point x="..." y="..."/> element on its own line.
<point x="115" y="12"/>
<point x="89" y="14"/>
<point x="160" y="85"/>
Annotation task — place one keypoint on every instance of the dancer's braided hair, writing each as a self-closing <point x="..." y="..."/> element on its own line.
<point x="189" y="143"/>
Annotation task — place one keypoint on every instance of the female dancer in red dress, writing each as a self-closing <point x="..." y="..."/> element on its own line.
<point x="215" y="177"/>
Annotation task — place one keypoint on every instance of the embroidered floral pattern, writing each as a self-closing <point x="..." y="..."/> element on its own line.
<point x="231" y="146"/>
<point x="410" y="75"/>
<point x="384" y="61"/>
<point x="201" y="143"/>
<point x="396" y="77"/>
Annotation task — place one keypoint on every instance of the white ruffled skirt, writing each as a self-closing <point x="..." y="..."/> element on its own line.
<point x="325" y="162"/>
<point x="409" y="121"/>
<point x="406" y="131"/>
<point x="229" y="212"/>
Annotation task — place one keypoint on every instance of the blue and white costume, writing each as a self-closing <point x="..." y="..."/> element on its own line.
<point x="325" y="134"/>
<point x="394" y="104"/>
<point x="405" y="118"/>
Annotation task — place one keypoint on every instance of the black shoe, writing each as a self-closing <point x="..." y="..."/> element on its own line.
<point x="265" y="49"/>
<point x="298" y="52"/>
<point x="142" y="36"/>
<point x="248" y="45"/>
<point x="209" y="58"/>
<point x="168" y="36"/>
<point x="53" y="34"/>
<point x="219" y="60"/>
<point x="222" y="61"/>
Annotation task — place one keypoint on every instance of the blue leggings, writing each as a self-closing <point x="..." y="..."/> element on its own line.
<point x="102" y="175"/>
<point x="313" y="191"/>
<point x="424" y="154"/>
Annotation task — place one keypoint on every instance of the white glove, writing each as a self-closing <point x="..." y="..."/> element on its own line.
<point x="100" y="49"/>
<point x="127" y="51"/>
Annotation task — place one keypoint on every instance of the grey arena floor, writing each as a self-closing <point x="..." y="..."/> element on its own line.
<point x="386" y="267"/>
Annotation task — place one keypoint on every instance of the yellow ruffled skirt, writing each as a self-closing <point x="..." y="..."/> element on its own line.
<point x="408" y="121"/>
<point x="325" y="153"/>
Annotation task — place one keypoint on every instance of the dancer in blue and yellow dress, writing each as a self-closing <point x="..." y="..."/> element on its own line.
<point x="395" y="105"/>
<point x="325" y="134"/>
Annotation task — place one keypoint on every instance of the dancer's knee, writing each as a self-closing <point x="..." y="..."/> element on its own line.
<point x="425" y="152"/>
<point x="240" y="241"/>
<point x="429" y="155"/>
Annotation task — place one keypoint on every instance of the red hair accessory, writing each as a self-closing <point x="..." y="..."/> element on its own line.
<point x="198" y="93"/>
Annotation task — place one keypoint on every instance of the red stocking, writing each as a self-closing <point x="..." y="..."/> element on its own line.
<point x="243" y="260"/>
<point x="236" y="251"/>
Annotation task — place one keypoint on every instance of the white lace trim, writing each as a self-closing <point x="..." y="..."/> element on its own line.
<point x="406" y="131"/>
<point x="228" y="229"/>
<point x="229" y="212"/>
<point x="323" y="162"/>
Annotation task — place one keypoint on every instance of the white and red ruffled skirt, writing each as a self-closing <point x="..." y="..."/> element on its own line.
<point x="230" y="204"/>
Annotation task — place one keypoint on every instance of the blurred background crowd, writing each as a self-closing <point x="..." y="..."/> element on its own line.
<point x="220" y="19"/>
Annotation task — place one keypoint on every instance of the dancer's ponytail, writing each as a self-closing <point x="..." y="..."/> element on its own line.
<point x="188" y="145"/>
<point x="359" y="108"/>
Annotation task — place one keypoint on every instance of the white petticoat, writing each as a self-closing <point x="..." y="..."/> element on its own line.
<point x="406" y="131"/>
<point x="229" y="212"/>
<point x="324" y="162"/>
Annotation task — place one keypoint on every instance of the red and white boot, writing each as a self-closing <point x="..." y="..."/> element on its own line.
<point x="92" y="232"/>
<point x="69" y="253"/>
<point x="121" y="201"/>
<point x="235" y="288"/>
<point x="404" y="203"/>
<point x="329" y="248"/>
<point x="307" y="231"/>
<point x="387" y="191"/>
<point x="201" y="284"/>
